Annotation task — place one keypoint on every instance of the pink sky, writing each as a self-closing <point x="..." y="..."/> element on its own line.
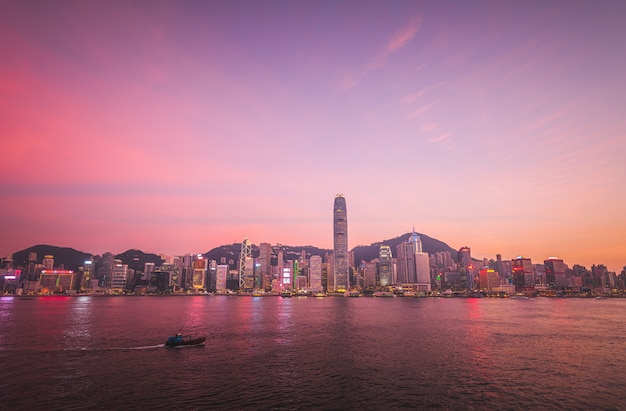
<point x="176" y="127"/>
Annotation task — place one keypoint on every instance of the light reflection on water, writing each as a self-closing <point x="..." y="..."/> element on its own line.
<point x="314" y="353"/>
<point x="80" y="319"/>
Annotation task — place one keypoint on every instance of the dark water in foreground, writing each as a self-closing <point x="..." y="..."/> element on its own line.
<point x="308" y="353"/>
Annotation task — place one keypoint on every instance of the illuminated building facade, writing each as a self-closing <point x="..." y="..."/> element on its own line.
<point x="264" y="274"/>
<point x="555" y="273"/>
<point x="88" y="272"/>
<point x="340" y="245"/>
<point x="413" y="265"/>
<point x="465" y="256"/>
<point x="406" y="264"/>
<point x="9" y="280"/>
<point x="422" y="264"/>
<point x="369" y="271"/>
<point x="198" y="276"/>
<point x="384" y="272"/>
<point x="221" y="272"/>
<point x="523" y="274"/>
<point x="211" y="281"/>
<point x="104" y="268"/>
<point x="148" y="268"/>
<point x="465" y="265"/>
<point x="315" y="273"/>
<point x="246" y="266"/>
<point x="56" y="281"/>
<point x="286" y="278"/>
<point x="48" y="262"/>
<point x="119" y="275"/>
<point x="488" y="279"/>
<point x="166" y="278"/>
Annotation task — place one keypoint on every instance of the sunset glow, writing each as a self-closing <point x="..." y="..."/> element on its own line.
<point x="176" y="127"/>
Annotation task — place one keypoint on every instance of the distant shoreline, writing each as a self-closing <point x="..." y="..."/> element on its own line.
<point x="514" y="297"/>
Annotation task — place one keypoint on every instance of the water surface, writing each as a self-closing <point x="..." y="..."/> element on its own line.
<point x="312" y="353"/>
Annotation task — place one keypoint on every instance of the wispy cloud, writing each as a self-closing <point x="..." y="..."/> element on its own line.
<point x="428" y="127"/>
<point x="420" y="111"/>
<point x="397" y="41"/>
<point x="404" y="35"/>
<point x="441" y="138"/>
<point x="420" y="93"/>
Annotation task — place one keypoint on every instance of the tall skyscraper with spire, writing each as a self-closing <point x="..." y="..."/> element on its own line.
<point x="340" y="237"/>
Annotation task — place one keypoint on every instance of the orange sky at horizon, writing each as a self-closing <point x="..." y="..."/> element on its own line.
<point x="177" y="127"/>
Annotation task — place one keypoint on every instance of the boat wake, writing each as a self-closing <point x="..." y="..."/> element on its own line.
<point x="145" y="347"/>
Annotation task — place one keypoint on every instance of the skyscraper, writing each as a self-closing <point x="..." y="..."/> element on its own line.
<point x="385" y="267"/>
<point x="246" y="266"/>
<point x="405" y="253"/>
<point x="555" y="273"/>
<point x="523" y="275"/>
<point x="265" y="265"/>
<point x="340" y="237"/>
<point x="315" y="273"/>
<point x="465" y="264"/>
<point x="48" y="262"/>
<point x="422" y="264"/>
<point x="413" y="264"/>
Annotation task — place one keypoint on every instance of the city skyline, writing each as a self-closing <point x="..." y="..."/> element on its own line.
<point x="176" y="127"/>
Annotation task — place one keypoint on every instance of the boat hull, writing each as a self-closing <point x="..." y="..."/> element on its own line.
<point x="173" y="342"/>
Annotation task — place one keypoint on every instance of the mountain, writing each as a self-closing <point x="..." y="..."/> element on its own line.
<point x="429" y="245"/>
<point x="71" y="259"/>
<point x="361" y="252"/>
<point x="231" y="253"/>
<point x="64" y="257"/>
<point x="137" y="259"/>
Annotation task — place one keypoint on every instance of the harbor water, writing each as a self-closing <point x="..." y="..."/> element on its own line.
<point x="64" y="353"/>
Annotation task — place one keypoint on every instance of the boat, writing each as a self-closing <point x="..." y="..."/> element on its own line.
<point x="184" y="341"/>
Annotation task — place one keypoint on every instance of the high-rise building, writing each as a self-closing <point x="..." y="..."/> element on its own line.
<point x="465" y="264"/>
<point x="523" y="274"/>
<point x="422" y="264"/>
<point x="246" y="266"/>
<point x="488" y="279"/>
<point x="56" y="281"/>
<point x="384" y="277"/>
<point x="119" y="276"/>
<point x="48" y="262"/>
<point x="148" y="268"/>
<point x="211" y="282"/>
<point x="413" y="264"/>
<point x="555" y="273"/>
<point x="286" y="278"/>
<point x="465" y="256"/>
<point x="104" y="269"/>
<point x="88" y="269"/>
<point x="30" y="269"/>
<point x="315" y="273"/>
<point x="265" y="265"/>
<point x="340" y="245"/>
<point x="405" y="253"/>
<point x="220" y="278"/>
<point x="186" y="276"/>
<point x="369" y="272"/>
<point x="200" y="268"/>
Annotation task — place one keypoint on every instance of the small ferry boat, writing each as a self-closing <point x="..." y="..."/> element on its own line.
<point x="184" y="341"/>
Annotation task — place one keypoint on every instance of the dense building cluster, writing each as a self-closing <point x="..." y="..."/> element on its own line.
<point x="410" y="272"/>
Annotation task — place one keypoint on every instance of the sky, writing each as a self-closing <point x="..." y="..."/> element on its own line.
<point x="177" y="126"/>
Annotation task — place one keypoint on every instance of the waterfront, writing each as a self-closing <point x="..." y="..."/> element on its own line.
<point x="312" y="353"/>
